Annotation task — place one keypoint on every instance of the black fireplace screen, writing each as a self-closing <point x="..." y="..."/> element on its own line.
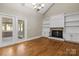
<point x="57" y="33"/>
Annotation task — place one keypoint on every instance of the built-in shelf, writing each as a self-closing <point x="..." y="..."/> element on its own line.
<point x="73" y="21"/>
<point x="45" y="30"/>
<point x="72" y="26"/>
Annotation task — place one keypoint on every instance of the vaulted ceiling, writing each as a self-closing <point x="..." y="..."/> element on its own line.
<point x="25" y="7"/>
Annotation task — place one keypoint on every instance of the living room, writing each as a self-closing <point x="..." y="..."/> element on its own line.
<point x="34" y="29"/>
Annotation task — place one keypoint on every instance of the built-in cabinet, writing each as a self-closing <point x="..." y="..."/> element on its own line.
<point x="68" y="21"/>
<point x="12" y="28"/>
<point x="71" y="27"/>
<point x="45" y="30"/>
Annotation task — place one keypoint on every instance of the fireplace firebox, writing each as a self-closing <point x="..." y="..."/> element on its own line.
<point x="56" y="32"/>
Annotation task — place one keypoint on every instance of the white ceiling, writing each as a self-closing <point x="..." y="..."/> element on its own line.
<point x="26" y="7"/>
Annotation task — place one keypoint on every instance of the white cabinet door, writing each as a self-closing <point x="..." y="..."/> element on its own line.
<point x="73" y="37"/>
<point x="45" y="32"/>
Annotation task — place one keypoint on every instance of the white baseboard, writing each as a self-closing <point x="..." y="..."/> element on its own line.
<point x="60" y="39"/>
<point x="33" y="38"/>
<point x="4" y="44"/>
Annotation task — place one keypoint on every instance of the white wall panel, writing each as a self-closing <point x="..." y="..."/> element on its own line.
<point x="57" y="21"/>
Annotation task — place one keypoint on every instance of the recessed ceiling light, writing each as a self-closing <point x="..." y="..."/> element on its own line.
<point x="42" y="5"/>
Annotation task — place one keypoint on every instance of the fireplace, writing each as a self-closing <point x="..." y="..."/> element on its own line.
<point x="56" y="32"/>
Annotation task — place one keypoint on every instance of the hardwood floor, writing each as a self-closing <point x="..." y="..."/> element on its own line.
<point x="41" y="47"/>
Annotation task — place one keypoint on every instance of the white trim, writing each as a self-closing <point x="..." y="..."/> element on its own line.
<point x="60" y="39"/>
<point x="34" y="38"/>
<point x="54" y="38"/>
<point x="71" y="13"/>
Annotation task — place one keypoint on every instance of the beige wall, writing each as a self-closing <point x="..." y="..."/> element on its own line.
<point x="34" y="26"/>
<point x="62" y="8"/>
<point x="34" y="20"/>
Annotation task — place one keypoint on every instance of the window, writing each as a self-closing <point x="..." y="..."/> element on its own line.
<point x="21" y="29"/>
<point x="6" y="27"/>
